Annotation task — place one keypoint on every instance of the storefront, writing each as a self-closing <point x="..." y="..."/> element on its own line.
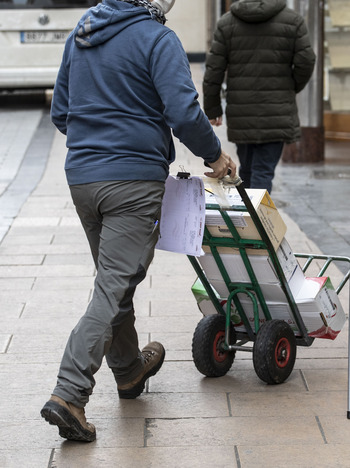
<point x="337" y="69"/>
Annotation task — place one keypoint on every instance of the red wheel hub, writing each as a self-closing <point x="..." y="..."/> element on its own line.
<point x="218" y="352"/>
<point x="282" y="352"/>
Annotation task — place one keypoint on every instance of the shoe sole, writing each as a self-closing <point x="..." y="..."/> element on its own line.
<point x="68" y="425"/>
<point x="136" y="391"/>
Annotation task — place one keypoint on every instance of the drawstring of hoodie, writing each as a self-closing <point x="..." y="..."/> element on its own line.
<point x="155" y="13"/>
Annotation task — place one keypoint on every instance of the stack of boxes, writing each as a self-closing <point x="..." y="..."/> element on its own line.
<point x="318" y="303"/>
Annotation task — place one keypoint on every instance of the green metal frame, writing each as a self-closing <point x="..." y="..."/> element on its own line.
<point x="252" y="289"/>
<point x="328" y="260"/>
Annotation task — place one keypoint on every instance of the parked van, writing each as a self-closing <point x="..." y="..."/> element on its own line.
<point x="32" y="37"/>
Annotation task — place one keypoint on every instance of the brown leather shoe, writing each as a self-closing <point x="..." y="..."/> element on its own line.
<point x="153" y="356"/>
<point x="70" y="420"/>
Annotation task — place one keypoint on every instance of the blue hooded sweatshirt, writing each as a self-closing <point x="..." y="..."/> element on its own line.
<point x="123" y="84"/>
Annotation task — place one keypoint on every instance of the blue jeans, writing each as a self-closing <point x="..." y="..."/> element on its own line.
<point x="258" y="163"/>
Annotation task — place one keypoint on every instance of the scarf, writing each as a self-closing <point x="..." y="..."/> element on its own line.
<point x="155" y="13"/>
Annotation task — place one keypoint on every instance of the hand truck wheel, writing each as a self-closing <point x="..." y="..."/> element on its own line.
<point x="274" y="352"/>
<point x="208" y="354"/>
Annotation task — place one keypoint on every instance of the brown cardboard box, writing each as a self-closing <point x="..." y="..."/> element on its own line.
<point x="265" y="208"/>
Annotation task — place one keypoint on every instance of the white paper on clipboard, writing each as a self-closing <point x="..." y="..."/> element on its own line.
<point x="183" y="216"/>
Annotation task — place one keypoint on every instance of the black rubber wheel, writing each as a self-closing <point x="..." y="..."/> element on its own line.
<point x="274" y="352"/>
<point x="208" y="355"/>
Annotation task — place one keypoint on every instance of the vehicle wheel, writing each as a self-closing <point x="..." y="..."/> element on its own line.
<point x="274" y="351"/>
<point x="208" y="355"/>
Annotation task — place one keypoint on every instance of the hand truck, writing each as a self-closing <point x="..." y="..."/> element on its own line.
<point x="215" y="340"/>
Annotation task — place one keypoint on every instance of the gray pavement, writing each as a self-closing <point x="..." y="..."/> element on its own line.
<point x="182" y="419"/>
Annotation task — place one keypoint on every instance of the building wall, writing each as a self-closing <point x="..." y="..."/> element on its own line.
<point x="188" y="18"/>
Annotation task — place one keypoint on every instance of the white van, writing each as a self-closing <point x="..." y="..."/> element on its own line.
<point x="32" y="36"/>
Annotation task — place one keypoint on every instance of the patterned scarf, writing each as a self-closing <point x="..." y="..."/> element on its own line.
<point x="155" y="13"/>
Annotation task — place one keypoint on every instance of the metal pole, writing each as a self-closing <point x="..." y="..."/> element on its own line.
<point x="348" y="412"/>
<point x="310" y="101"/>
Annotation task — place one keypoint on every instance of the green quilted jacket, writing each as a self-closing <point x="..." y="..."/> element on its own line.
<point x="265" y="49"/>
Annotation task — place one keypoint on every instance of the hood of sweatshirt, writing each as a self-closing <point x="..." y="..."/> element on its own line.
<point x="257" y="11"/>
<point x="106" y="20"/>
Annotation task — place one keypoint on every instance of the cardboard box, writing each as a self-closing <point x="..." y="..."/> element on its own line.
<point x="204" y="303"/>
<point x="262" y="267"/>
<point x="266" y="210"/>
<point x="317" y="302"/>
<point x="320" y="308"/>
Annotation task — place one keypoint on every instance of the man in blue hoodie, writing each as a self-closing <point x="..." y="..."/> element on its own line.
<point x="123" y="84"/>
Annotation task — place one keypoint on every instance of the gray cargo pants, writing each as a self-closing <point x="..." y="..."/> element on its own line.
<point x="121" y="221"/>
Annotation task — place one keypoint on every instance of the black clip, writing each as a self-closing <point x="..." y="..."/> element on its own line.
<point x="183" y="174"/>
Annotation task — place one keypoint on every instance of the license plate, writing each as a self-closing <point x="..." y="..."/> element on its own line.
<point x="37" y="37"/>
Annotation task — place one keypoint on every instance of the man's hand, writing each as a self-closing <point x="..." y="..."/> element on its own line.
<point x="222" y="167"/>
<point x="216" y="122"/>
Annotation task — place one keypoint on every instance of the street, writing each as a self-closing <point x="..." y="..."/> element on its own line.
<point x="26" y="136"/>
<point x="183" y="419"/>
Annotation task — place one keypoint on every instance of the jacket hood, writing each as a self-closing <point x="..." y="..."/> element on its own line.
<point x="257" y="11"/>
<point x="106" y="20"/>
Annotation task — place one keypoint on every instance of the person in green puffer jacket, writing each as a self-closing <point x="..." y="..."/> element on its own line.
<point x="264" y="48"/>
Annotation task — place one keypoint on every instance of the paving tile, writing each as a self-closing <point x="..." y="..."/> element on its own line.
<point x="54" y="309"/>
<point x="146" y="457"/>
<point x="321" y="364"/>
<point x="184" y="377"/>
<point x="54" y="249"/>
<point x="178" y="355"/>
<point x="10" y="308"/>
<point x="23" y="407"/>
<point x="171" y="307"/>
<point x="158" y="324"/>
<point x="71" y="236"/>
<point x="111" y="432"/>
<point x="28" y="458"/>
<point x="288" y="404"/>
<point x="64" y="283"/>
<point x="40" y="327"/>
<point x="15" y="284"/>
<point x="322" y="353"/>
<point x="38" y="222"/>
<point x="331" y="380"/>
<point x="77" y="295"/>
<point x="13" y="240"/>
<point x="5" y="340"/>
<point x="44" y="357"/>
<point x="174" y="341"/>
<point x="287" y="456"/>
<point x="68" y="259"/>
<point x="233" y="431"/>
<point x="336" y="427"/>
<point x="21" y="259"/>
<point x="31" y="378"/>
<point x="184" y="293"/>
<point x="29" y="344"/>
<point x="162" y="405"/>
<point x="51" y="271"/>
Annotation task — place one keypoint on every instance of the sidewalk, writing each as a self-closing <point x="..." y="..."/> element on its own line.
<point x="183" y="419"/>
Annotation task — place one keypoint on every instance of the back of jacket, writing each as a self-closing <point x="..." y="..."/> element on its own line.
<point x="265" y="48"/>
<point x="123" y="84"/>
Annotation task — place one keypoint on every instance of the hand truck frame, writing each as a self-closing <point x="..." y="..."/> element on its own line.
<point x="274" y="342"/>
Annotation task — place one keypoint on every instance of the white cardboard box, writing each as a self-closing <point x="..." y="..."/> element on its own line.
<point x="320" y="308"/>
<point x="317" y="302"/>
<point x="263" y="268"/>
<point x="266" y="210"/>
